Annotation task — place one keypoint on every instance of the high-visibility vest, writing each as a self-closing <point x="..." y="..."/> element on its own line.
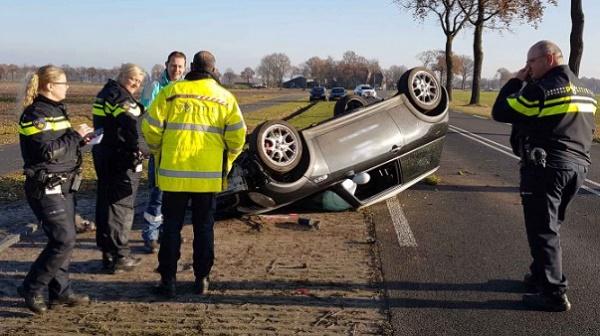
<point x="195" y="129"/>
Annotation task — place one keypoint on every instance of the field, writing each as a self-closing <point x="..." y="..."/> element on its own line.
<point x="79" y="101"/>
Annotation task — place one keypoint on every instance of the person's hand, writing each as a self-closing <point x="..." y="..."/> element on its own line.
<point x="523" y="74"/>
<point x="84" y="130"/>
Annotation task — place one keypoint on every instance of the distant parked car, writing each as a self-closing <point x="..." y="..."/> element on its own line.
<point x="337" y="93"/>
<point x="318" y="93"/>
<point x="259" y="86"/>
<point x="365" y="90"/>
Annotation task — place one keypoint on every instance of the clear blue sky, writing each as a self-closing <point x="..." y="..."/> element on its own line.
<point x="106" y="33"/>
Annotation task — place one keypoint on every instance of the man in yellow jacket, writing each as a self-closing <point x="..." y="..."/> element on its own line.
<point x="195" y="130"/>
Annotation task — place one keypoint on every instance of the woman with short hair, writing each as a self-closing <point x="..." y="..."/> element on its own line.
<point x="117" y="160"/>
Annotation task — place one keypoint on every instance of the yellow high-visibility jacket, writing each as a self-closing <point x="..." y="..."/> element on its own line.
<point x="195" y="130"/>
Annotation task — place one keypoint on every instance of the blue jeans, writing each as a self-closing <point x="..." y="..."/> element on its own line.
<point x="153" y="215"/>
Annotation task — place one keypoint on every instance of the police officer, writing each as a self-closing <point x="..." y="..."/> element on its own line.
<point x="174" y="68"/>
<point x="195" y="130"/>
<point x="52" y="157"/>
<point x="118" y="163"/>
<point x="553" y="126"/>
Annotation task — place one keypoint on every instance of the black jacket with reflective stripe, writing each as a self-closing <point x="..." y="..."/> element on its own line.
<point x="47" y="140"/>
<point x="555" y="112"/>
<point x="110" y="112"/>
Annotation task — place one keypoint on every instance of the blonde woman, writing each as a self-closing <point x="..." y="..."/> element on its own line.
<point x="117" y="160"/>
<point x="51" y="152"/>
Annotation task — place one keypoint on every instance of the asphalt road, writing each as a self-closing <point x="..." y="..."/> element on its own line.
<point x="10" y="155"/>
<point x="462" y="273"/>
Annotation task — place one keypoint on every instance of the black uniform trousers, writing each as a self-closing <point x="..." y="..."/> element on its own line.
<point x="546" y="193"/>
<point x="56" y="215"/>
<point x="173" y="208"/>
<point x="116" y="191"/>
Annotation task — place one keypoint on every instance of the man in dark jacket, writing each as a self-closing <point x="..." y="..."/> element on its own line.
<point x="553" y="126"/>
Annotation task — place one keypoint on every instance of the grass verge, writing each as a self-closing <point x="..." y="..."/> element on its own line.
<point x="273" y="112"/>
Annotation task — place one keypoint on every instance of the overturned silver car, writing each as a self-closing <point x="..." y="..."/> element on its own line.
<point x="369" y="151"/>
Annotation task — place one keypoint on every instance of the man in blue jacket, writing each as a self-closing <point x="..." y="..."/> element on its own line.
<point x="175" y="67"/>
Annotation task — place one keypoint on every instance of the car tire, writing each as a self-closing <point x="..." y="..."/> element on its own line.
<point x="278" y="146"/>
<point x="422" y="88"/>
<point x="347" y="104"/>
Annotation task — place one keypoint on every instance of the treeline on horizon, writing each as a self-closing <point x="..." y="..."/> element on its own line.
<point x="348" y="72"/>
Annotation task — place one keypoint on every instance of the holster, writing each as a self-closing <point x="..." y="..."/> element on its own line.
<point x="534" y="156"/>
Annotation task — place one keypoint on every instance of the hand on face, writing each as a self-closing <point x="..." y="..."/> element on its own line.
<point x="523" y="74"/>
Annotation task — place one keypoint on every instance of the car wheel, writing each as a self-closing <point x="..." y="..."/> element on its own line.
<point x="278" y="145"/>
<point x="422" y="88"/>
<point x="348" y="103"/>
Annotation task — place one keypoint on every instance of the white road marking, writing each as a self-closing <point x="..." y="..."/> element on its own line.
<point x="507" y="151"/>
<point x="403" y="232"/>
<point x="479" y="117"/>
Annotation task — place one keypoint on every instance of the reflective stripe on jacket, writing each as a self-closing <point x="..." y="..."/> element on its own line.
<point x="116" y="111"/>
<point x="555" y="113"/>
<point x="47" y="140"/>
<point x="190" y="127"/>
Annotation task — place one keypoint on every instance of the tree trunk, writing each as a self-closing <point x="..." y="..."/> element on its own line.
<point x="576" y="36"/>
<point x="477" y="62"/>
<point x="449" y="66"/>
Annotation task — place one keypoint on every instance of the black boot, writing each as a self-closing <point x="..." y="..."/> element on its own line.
<point x="125" y="264"/>
<point x="547" y="302"/>
<point x="532" y="284"/>
<point x="34" y="301"/>
<point x="165" y="288"/>
<point x="108" y="261"/>
<point x="201" y="285"/>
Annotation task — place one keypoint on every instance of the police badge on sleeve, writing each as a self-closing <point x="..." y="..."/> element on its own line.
<point x="39" y="123"/>
<point x="132" y="108"/>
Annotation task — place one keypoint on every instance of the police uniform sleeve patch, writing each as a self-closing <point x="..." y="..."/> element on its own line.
<point x="39" y="123"/>
<point x="126" y="106"/>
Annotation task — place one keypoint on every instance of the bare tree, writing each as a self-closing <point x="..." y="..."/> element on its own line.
<point x="452" y="18"/>
<point x="274" y="67"/>
<point x="466" y="69"/>
<point x="576" y="36"/>
<point x="497" y="15"/>
<point x="248" y="74"/>
<point x="504" y="75"/>
<point x="229" y="76"/>
<point x="429" y="57"/>
<point x="392" y="75"/>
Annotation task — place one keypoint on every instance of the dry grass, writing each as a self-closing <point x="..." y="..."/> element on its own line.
<point x="79" y="104"/>
<point x="274" y="112"/>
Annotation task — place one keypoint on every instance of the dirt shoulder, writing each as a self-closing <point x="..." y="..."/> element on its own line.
<point x="285" y="279"/>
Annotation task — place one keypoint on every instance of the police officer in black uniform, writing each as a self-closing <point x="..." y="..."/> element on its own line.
<point x="118" y="163"/>
<point x="553" y="126"/>
<point x="50" y="150"/>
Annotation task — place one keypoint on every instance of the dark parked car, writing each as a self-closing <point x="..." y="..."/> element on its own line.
<point x="318" y="93"/>
<point x="369" y="151"/>
<point x="337" y="93"/>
